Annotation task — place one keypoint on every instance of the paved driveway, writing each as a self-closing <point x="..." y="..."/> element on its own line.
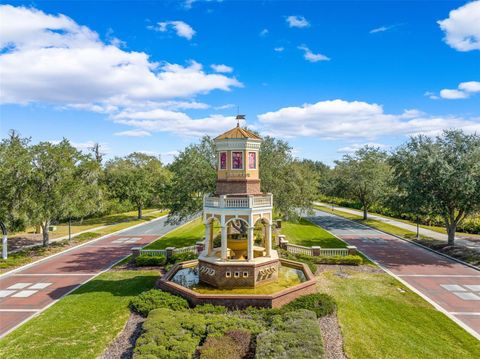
<point x="451" y="287"/>
<point x="26" y="292"/>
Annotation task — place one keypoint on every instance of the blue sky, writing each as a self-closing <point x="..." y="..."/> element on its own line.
<point x="327" y="76"/>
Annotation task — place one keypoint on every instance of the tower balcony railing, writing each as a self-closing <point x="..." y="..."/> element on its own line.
<point x="247" y="201"/>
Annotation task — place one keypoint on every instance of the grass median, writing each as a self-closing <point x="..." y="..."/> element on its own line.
<point x="82" y="324"/>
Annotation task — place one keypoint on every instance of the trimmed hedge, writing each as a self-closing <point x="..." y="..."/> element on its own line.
<point x="182" y="257"/>
<point x="352" y="260"/>
<point x="155" y="298"/>
<point x="210" y="309"/>
<point x="320" y="303"/>
<point x="292" y="335"/>
<point x="144" y="260"/>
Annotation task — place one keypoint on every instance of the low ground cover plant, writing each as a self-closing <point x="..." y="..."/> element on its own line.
<point x="173" y="330"/>
<point x="182" y="257"/>
<point x="320" y="303"/>
<point x="153" y="299"/>
<point x="291" y="335"/>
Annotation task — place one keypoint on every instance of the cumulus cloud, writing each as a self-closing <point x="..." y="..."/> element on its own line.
<point x="464" y="90"/>
<point x="263" y="33"/>
<point x="462" y="27"/>
<point x="52" y="59"/>
<point x="310" y="56"/>
<point x="161" y="120"/>
<point x="181" y="28"/>
<point x="297" y="21"/>
<point x="340" y="119"/>
<point x="222" y="68"/>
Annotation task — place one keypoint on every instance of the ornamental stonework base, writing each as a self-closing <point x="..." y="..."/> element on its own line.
<point x="238" y="275"/>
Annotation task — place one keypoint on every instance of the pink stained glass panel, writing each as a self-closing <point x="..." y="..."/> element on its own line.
<point x="223" y="160"/>
<point x="252" y="160"/>
<point x="237" y="160"/>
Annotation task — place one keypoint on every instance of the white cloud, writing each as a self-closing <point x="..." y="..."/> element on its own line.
<point x="93" y="75"/>
<point x="222" y="68"/>
<point x="263" y="33"/>
<point x="450" y="94"/>
<point x="279" y="49"/>
<point x="462" y="27"/>
<point x="181" y="28"/>
<point x="160" y="120"/>
<point x="133" y="133"/>
<point x="337" y="119"/>
<point x="297" y="21"/>
<point x="381" y="29"/>
<point x="465" y="90"/>
<point x="431" y="95"/>
<point x="312" y="57"/>
<point x="356" y="146"/>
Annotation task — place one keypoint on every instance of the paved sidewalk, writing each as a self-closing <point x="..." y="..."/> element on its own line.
<point x="28" y="291"/>
<point x="426" y="232"/>
<point x="451" y="287"/>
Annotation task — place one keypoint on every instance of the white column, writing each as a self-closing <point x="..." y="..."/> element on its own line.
<point x="224" y="237"/>
<point x="208" y="239"/>
<point x="268" y="238"/>
<point x="250" y="243"/>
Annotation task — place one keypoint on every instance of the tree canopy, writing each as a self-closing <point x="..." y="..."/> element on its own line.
<point x="440" y="175"/>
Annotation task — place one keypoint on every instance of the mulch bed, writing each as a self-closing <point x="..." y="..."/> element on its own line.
<point x="122" y="347"/>
<point x="332" y="337"/>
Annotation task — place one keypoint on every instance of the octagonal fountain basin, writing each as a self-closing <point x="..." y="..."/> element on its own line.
<point x="294" y="280"/>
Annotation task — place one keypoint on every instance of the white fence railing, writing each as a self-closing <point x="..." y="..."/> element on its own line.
<point x="190" y="249"/>
<point x="170" y="250"/>
<point x="293" y="248"/>
<point x="238" y="202"/>
<point x="153" y="252"/>
<point x="331" y="252"/>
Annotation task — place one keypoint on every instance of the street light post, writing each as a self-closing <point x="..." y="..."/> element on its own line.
<point x="4" y="241"/>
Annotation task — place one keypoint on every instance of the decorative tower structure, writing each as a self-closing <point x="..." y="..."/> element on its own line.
<point x="238" y="217"/>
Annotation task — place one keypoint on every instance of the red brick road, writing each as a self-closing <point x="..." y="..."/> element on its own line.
<point x="28" y="291"/>
<point x="450" y="286"/>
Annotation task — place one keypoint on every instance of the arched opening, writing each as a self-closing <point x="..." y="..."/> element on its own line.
<point x="237" y="239"/>
<point x="262" y="238"/>
<point x="213" y="239"/>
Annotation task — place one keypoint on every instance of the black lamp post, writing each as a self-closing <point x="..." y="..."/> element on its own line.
<point x="4" y="240"/>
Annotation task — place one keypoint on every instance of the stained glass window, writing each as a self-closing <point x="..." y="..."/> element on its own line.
<point x="223" y="160"/>
<point x="252" y="160"/>
<point x="237" y="160"/>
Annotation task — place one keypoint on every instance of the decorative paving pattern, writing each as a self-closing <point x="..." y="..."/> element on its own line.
<point x="463" y="292"/>
<point x="23" y="290"/>
<point x="127" y="240"/>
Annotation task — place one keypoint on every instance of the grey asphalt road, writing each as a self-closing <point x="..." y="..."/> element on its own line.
<point x="157" y="227"/>
<point x="340" y="226"/>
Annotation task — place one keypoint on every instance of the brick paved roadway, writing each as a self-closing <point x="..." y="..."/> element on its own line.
<point x="452" y="287"/>
<point x="26" y="292"/>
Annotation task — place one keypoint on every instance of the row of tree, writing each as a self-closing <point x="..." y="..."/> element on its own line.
<point x="50" y="182"/>
<point x="424" y="177"/>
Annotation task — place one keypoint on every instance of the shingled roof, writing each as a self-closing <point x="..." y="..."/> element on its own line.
<point x="238" y="133"/>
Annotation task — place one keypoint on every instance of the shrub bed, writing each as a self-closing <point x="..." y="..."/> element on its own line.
<point x="182" y="257"/>
<point x="153" y="299"/>
<point x="319" y="303"/>
<point x="144" y="260"/>
<point x="235" y="344"/>
<point x="352" y="260"/>
<point x="292" y="335"/>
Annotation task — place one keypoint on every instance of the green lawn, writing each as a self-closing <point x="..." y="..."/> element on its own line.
<point x="380" y="321"/>
<point x="82" y="324"/>
<point x="183" y="236"/>
<point x="307" y="234"/>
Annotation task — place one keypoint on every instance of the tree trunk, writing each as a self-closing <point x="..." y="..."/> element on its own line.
<point x="45" y="233"/>
<point x="451" y="229"/>
<point x="139" y="212"/>
<point x="365" y="213"/>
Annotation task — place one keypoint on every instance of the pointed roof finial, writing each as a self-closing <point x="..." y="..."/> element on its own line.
<point x="238" y="118"/>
